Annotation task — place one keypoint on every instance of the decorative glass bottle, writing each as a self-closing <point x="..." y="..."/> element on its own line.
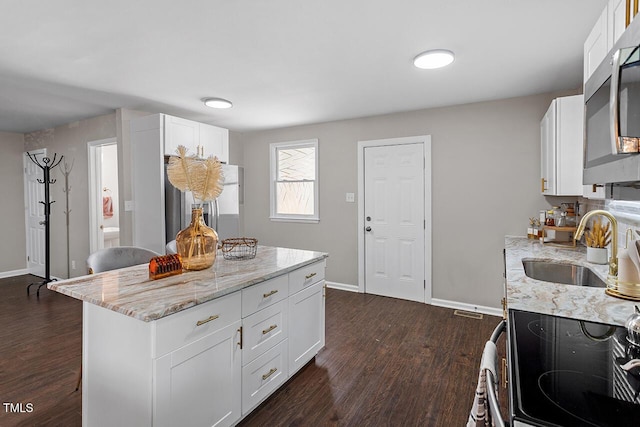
<point x="197" y="243"/>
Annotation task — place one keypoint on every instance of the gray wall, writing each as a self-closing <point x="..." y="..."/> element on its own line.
<point x="12" y="228"/>
<point x="71" y="141"/>
<point x="485" y="175"/>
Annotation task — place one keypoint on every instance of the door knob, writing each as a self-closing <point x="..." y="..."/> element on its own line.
<point x="367" y="229"/>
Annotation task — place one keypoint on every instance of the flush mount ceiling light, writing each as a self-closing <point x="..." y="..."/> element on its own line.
<point x="217" y="103"/>
<point x="431" y="59"/>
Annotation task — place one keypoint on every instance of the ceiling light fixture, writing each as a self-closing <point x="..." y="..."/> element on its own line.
<point x="431" y="59"/>
<point x="217" y="103"/>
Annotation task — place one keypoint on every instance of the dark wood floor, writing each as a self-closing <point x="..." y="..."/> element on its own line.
<point x="40" y="348"/>
<point x="386" y="362"/>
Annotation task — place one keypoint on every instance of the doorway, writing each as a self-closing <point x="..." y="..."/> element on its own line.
<point x="34" y="213"/>
<point x="104" y="216"/>
<point x="394" y="221"/>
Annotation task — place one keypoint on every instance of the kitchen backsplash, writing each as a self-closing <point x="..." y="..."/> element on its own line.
<point x="626" y="212"/>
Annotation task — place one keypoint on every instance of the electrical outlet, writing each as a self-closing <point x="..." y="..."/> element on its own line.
<point x="350" y="197"/>
<point x="73" y="264"/>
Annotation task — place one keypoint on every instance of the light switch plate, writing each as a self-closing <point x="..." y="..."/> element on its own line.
<point x="350" y="197"/>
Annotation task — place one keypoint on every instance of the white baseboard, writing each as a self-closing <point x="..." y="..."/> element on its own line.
<point x="491" y="311"/>
<point x="4" y="274"/>
<point x="342" y="286"/>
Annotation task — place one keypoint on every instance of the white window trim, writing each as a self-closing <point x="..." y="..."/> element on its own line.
<point x="273" y="147"/>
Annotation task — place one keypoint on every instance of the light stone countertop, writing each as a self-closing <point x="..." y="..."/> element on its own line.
<point x="130" y="291"/>
<point x="578" y="302"/>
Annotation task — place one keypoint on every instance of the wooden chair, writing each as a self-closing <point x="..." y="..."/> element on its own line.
<point x="112" y="259"/>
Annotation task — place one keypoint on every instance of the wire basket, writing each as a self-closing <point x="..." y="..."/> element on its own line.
<point x="237" y="248"/>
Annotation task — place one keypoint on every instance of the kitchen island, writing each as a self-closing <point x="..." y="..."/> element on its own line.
<point x="199" y="348"/>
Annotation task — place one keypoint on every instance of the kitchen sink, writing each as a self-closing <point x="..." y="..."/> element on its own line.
<point x="556" y="272"/>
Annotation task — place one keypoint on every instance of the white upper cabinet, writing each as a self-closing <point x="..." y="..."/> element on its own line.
<point x="561" y="132"/>
<point x="605" y="33"/>
<point x="180" y="132"/>
<point x="214" y="141"/>
<point x="597" y="45"/>
<point x="200" y="139"/>
<point x="617" y="15"/>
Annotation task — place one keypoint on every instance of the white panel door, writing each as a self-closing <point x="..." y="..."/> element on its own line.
<point x="395" y="221"/>
<point x="34" y="214"/>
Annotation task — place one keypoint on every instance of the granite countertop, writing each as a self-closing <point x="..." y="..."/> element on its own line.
<point x="130" y="291"/>
<point x="578" y="302"/>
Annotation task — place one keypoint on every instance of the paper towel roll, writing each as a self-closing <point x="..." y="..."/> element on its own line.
<point x="627" y="271"/>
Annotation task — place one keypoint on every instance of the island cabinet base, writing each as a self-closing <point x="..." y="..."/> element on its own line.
<point x="209" y="365"/>
<point x="184" y="369"/>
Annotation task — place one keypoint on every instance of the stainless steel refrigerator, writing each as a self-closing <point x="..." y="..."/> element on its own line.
<point x="223" y="214"/>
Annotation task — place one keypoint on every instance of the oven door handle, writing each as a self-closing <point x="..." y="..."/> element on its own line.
<point x="614" y="105"/>
<point x="494" y="405"/>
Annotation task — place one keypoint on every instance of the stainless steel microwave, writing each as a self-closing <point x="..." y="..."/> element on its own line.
<point x="612" y="115"/>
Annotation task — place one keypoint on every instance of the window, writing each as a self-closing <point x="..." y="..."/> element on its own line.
<point x="294" y="181"/>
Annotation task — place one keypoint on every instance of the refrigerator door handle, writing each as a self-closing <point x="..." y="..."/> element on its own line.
<point x="217" y="213"/>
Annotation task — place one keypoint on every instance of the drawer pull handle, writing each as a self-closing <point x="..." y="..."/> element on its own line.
<point x="207" y="320"/>
<point x="268" y="294"/>
<point x="268" y="374"/>
<point x="309" y="276"/>
<point x="269" y="329"/>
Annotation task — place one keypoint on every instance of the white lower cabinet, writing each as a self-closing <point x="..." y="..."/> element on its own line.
<point x="199" y="384"/>
<point x="306" y="327"/>
<point x="208" y="365"/>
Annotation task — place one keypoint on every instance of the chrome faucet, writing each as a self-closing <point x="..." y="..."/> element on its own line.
<point x="613" y="261"/>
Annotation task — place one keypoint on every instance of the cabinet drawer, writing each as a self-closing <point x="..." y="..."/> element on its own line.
<point x="263" y="330"/>
<point x="264" y="294"/>
<point x="305" y="276"/>
<point x="177" y="330"/>
<point x="263" y="376"/>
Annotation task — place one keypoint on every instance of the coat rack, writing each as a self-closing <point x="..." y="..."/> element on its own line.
<point x="66" y="170"/>
<point x="46" y="164"/>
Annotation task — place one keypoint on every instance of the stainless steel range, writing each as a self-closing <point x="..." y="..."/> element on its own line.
<point x="566" y="372"/>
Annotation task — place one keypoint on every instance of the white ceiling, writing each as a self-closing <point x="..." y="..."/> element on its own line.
<point x="281" y="62"/>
